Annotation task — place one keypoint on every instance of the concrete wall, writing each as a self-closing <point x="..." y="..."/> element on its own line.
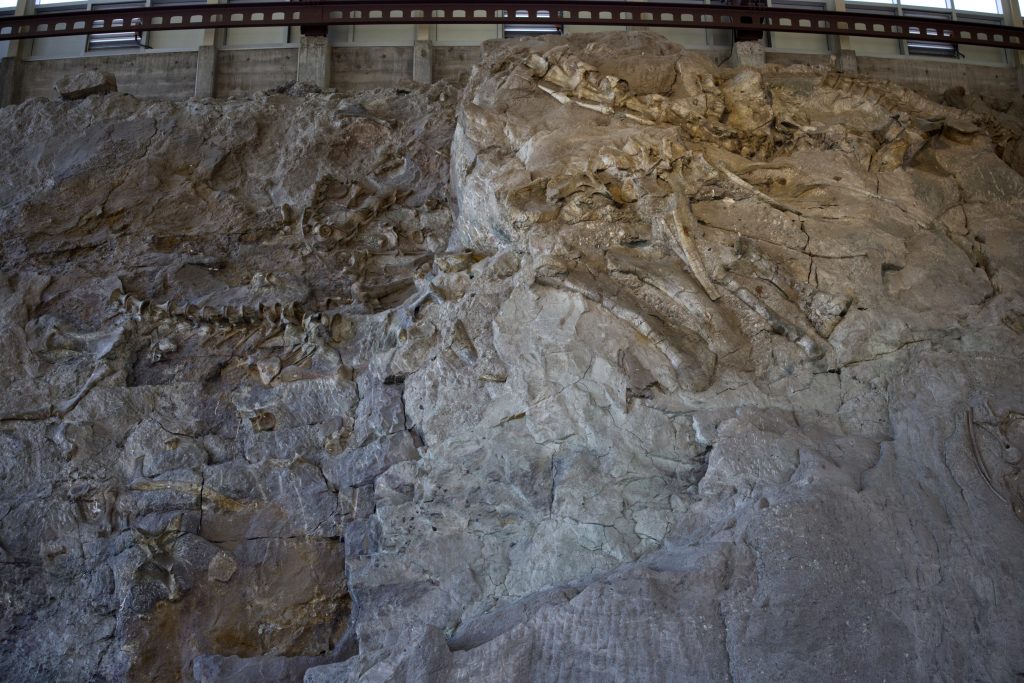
<point x="934" y="76"/>
<point x="143" y="74"/>
<point x="357" y="68"/>
<point x="791" y="58"/>
<point x="453" y="61"/>
<point x="240" y="72"/>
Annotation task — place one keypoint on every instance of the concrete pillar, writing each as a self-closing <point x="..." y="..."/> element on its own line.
<point x="846" y="58"/>
<point x="206" y="60"/>
<point x="314" y="61"/>
<point x="846" y="62"/>
<point x="10" y="80"/>
<point x="1013" y="17"/>
<point x="747" y="53"/>
<point x="423" y="62"/>
<point x="1012" y="13"/>
<point x="11" y="54"/>
<point x="19" y="48"/>
<point x="423" y="56"/>
<point x="206" y="71"/>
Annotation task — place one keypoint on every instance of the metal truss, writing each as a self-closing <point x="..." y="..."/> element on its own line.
<point x="315" y="15"/>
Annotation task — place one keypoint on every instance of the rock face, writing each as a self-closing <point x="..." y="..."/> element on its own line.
<point x="184" y="417"/>
<point x="77" y="86"/>
<point x="620" y="367"/>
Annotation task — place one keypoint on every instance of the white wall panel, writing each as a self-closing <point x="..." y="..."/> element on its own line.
<point x="875" y="47"/>
<point x="187" y="39"/>
<point x="465" y="34"/>
<point x="690" y="37"/>
<point x="255" y="35"/>
<point x="64" y="46"/>
<point x="799" y="42"/>
<point x="397" y="34"/>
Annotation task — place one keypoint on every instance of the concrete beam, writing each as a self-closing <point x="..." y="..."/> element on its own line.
<point x="314" y="63"/>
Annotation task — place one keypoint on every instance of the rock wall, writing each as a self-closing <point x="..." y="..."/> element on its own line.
<point x="614" y="365"/>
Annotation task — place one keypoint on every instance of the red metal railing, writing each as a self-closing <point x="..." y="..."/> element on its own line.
<point x="585" y="12"/>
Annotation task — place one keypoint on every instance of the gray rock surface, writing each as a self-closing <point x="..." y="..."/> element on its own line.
<point x="615" y="365"/>
<point x="190" y="292"/>
<point x="81" y="84"/>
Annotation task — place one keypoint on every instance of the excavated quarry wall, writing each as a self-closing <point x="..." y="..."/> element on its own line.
<point x="610" y="364"/>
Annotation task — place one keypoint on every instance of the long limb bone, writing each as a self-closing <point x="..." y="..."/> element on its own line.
<point x="979" y="462"/>
<point x="805" y="338"/>
<point x="683" y="224"/>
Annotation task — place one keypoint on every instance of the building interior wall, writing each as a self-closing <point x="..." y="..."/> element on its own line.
<point x="251" y="58"/>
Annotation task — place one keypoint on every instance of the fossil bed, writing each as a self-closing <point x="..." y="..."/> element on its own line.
<point x="610" y="364"/>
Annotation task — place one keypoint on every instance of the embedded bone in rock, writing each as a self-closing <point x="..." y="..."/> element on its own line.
<point x="610" y="365"/>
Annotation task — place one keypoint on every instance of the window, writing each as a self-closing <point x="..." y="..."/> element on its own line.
<point x="985" y="6"/>
<point x="114" y="40"/>
<point x="61" y="7"/>
<point x="935" y="4"/>
<point x="517" y="30"/>
<point x="928" y="48"/>
<point x="118" y="40"/>
<point x="980" y="11"/>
